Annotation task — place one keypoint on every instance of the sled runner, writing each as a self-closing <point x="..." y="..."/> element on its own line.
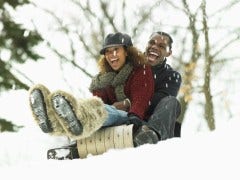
<point x="63" y="153"/>
<point x="117" y="137"/>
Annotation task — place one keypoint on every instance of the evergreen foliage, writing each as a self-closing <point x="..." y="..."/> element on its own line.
<point x="6" y="125"/>
<point x="16" y="45"/>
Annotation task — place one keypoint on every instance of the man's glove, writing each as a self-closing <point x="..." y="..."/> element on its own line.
<point x="135" y="120"/>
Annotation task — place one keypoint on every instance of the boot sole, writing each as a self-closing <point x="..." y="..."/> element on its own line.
<point x="64" y="109"/>
<point x="40" y="111"/>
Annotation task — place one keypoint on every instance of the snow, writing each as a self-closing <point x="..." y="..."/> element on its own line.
<point x="203" y="155"/>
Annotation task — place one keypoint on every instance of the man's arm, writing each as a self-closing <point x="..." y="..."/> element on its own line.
<point x="168" y="86"/>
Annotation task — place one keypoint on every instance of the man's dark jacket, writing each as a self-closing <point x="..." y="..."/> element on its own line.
<point x="167" y="83"/>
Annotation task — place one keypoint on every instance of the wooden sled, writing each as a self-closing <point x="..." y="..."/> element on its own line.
<point x="116" y="137"/>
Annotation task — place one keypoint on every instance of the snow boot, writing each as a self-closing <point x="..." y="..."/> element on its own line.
<point x="42" y="112"/>
<point x="144" y="135"/>
<point x="79" y="118"/>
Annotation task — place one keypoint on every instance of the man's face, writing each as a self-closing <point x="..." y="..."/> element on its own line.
<point x="157" y="49"/>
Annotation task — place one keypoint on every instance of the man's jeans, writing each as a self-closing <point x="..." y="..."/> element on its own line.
<point x="164" y="117"/>
<point x="115" y="116"/>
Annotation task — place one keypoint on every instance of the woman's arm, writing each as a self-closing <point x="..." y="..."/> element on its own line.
<point x="140" y="87"/>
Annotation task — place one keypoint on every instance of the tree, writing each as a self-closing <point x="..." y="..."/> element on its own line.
<point x="206" y="51"/>
<point x="16" y="46"/>
<point x="6" y="125"/>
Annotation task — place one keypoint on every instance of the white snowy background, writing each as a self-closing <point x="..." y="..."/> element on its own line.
<point x="198" y="154"/>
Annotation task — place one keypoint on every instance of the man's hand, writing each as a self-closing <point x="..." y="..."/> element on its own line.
<point x="136" y="121"/>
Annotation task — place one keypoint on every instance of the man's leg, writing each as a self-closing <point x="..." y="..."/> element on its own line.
<point x="160" y="125"/>
<point x="164" y="117"/>
<point x="177" y="129"/>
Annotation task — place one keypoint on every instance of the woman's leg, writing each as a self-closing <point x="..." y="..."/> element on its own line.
<point x="78" y="117"/>
<point x="115" y="116"/>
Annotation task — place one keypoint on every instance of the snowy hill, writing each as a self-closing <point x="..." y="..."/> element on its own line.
<point x="209" y="155"/>
<point x="203" y="155"/>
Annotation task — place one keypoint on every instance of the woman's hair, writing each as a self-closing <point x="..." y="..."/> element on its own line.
<point x="134" y="56"/>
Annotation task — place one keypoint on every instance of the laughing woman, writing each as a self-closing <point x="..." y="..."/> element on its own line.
<point x="122" y="90"/>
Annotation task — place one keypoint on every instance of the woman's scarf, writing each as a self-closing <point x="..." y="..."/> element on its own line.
<point x="114" y="79"/>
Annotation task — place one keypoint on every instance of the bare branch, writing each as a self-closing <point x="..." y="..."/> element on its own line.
<point x="174" y="6"/>
<point x="145" y="16"/>
<point x="209" y="110"/>
<point x="22" y="74"/>
<point x="85" y="9"/>
<point x="104" y="7"/>
<point x="67" y="33"/>
<point x="226" y="59"/>
<point x="124" y="15"/>
<point x="224" y="46"/>
<point x="224" y="8"/>
<point x="70" y="61"/>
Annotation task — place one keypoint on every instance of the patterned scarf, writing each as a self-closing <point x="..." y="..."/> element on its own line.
<point x="116" y="80"/>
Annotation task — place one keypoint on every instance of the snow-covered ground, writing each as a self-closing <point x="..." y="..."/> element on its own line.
<point x="204" y="155"/>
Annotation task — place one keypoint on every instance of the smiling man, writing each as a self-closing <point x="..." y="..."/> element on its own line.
<point x="159" y="47"/>
<point x="164" y="108"/>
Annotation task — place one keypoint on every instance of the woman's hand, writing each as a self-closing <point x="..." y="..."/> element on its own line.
<point x="122" y="105"/>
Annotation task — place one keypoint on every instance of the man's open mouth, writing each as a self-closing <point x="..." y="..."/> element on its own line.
<point x="152" y="56"/>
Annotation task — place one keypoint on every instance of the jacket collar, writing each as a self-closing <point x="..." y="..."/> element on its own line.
<point x="160" y="66"/>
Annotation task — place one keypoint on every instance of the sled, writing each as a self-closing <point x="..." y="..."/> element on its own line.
<point x="116" y="137"/>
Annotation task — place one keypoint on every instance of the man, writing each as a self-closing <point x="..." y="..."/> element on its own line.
<point x="164" y="108"/>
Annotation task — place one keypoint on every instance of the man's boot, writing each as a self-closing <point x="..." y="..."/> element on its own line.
<point x="144" y="135"/>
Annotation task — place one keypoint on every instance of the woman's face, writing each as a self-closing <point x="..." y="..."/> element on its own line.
<point x="116" y="57"/>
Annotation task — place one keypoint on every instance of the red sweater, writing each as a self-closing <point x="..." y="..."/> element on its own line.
<point x="139" y="88"/>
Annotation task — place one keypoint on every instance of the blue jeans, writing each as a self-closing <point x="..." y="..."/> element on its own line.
<point x="115" y="116"/>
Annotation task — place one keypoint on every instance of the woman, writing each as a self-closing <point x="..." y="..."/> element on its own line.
<point x="122" y="89"/>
